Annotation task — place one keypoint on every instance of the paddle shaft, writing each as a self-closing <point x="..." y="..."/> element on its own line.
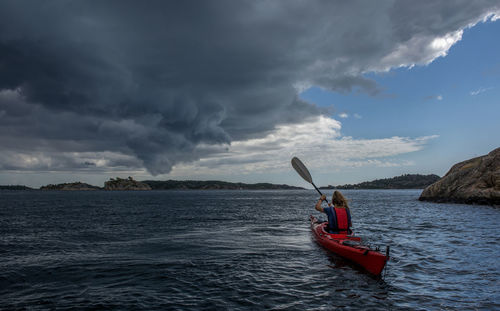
<point x="319" y="191"/>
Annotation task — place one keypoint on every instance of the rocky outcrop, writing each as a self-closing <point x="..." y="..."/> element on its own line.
<point x="475" y="181"/>
<point x="74" y="186"/>
<point x="125" y="184"/>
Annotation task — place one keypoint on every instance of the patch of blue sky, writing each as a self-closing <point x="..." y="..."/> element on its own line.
<point x="456" y="97"/>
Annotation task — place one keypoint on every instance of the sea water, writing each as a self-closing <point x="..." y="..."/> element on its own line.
<point x="240" y="250"/>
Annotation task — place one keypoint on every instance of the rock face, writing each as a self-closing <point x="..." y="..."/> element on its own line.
<point x="74" y="186"/>
<point x="475" y="181"/>
<point x="125" y="184"/>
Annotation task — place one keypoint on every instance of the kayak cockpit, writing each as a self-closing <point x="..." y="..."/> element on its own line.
<point x="323" y="227"/>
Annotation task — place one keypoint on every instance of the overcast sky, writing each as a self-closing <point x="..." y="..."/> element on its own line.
<point x="232" y="90"/>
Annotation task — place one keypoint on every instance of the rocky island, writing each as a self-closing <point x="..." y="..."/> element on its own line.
<point x="475" y="181"/>
<point x="407" y="181"/>
<point x="125" y="184"/>
<point x="74" y="186"/>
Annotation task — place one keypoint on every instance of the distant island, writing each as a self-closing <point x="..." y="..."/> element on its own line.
<point x="214" y="185"/>
<point x="70" y="187"/>
<point x="14" y="187"/>
<point x="407" y="181"/>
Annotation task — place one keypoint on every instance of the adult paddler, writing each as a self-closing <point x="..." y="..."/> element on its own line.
<point x="339" y="216"/>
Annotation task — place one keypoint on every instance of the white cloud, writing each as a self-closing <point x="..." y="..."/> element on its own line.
<point x="318" y="141"/>
<point x="423" y="48"/>
<point x="493" y="16"/>
<point x="419" y="50"/>
<point x="479" y="91"/>
<point x="357" y="116"/>
<point x="434" y="97"/>
<point x="343" y="115"/>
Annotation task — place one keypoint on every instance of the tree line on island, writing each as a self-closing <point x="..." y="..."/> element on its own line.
<point x="407" y="181"/>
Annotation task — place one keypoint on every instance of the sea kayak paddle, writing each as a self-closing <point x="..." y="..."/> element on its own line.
<point x="304" y="173"/>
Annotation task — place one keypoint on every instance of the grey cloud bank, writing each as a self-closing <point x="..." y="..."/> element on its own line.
<point x="124" y="85"/>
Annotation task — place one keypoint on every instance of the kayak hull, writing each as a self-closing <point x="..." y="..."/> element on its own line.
<point x="349" y="247"/>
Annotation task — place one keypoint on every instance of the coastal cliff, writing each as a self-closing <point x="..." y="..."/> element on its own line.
<point x="125" y="184"/>
<point x="475" y="181"/>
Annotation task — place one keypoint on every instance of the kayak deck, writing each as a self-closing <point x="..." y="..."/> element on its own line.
<point x="349" y="247"/>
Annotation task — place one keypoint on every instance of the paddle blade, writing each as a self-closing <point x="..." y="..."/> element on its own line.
<point x="301" y="169"/>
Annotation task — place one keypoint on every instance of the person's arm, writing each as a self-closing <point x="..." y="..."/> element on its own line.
<point x="318" y="205"/>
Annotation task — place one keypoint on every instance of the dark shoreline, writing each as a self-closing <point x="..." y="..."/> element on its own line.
<point x="408" y="181"/>
<point x="158" y="185"/>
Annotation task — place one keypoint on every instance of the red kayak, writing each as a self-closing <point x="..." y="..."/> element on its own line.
<point x="349" y="247"/>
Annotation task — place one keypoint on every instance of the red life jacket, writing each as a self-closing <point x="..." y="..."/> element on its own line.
<point x="342" y="220"/>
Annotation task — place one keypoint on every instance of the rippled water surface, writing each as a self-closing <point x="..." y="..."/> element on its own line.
<point x="230" y="250"/>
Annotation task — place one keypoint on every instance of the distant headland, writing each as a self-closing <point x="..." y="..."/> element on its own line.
<point x="407" y="181"/>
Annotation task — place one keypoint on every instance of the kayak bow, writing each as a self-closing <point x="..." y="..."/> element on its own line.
<point x="349" y="247"/>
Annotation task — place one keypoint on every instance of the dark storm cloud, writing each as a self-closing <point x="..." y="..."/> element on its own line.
<point x="153" y="80"/>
